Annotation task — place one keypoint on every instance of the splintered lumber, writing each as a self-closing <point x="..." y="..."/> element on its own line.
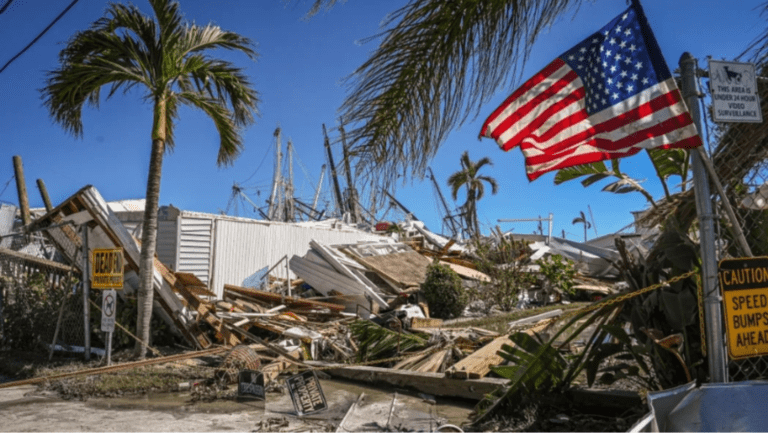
<point x="87" y="206"/>
<point x="280" y="364"/>
<point x="479" y="363"/>
<point x="468" y="273"/>
<point x="420" y="323"/>
<point x="429" y="383"/>
<point x="204" y="309"/>
<point x="433" y="363"/>
<point x="406" y="363"/>
<point x="275" y="298"/>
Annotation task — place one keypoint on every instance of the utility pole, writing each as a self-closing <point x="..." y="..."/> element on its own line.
<point x="21" y="189"/>
<point x="339" y="199"/>
<point x="451" y="222"/>
<point x="289" y="188"/>
<point x="317" y="191"/>
<point x="351" y="189"/>
<point x="713" y="313"/>
<point x="405" y="209"/>
<point x="44" y="195"/>
<point x="276" y="179"/>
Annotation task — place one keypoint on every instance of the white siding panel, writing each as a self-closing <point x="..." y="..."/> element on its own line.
<point x="166" y="243"/>
<point x="194" y="249"/>
<point x="244" y="247"/>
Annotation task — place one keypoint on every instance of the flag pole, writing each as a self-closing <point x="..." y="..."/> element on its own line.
<point x="713" y="313"/>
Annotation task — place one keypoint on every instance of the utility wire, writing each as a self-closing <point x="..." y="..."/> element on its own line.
<point x="38" y="36"/>
<point x="6" y="185"/>
<point x="5" y="6"/>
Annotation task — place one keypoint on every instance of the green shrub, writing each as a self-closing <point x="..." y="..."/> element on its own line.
<point x="559" y="271"/>
<point x="443" y="291"/>
<point x="503" y="261"/>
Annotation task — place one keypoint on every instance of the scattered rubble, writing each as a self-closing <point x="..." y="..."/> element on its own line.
<point x="351" y="310"/>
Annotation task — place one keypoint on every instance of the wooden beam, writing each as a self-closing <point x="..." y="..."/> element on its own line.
<point x="429" y="383"/>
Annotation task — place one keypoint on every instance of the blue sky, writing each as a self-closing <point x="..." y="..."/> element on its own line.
<point x="299" y="75"/>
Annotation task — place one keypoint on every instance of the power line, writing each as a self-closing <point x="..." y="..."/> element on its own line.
<point x="5" y="6"/>
<point x="38" y="36"/>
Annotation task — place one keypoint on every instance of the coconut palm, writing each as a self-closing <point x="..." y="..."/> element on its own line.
<point x="438" y="62"/>
<point x="469" y="178"/>
<point x="166" y="58"/>
<point x="582" y="220"/>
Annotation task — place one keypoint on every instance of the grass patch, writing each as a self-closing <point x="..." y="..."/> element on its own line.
<point x="139" y="380"/>
<point x="499" y="323"/>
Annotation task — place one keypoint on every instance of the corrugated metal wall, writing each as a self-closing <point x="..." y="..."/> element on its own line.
<point x="194" y="248"/>
<point x="167" y="234"/>
<point x="244" y="247"/>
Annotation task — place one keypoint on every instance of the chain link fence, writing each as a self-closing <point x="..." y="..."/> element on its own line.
<point x="739" y="153"/>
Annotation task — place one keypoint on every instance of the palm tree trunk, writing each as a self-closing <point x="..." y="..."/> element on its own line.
<point x="149" y="232"/>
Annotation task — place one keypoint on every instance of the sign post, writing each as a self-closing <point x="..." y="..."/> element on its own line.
<point x="107" y="273"/>
<point x="744" y="285"/>
<point x="734" y="92"/>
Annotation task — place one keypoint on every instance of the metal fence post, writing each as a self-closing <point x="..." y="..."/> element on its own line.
<point x="86" y="295"/>
<point x="712" y="301"/>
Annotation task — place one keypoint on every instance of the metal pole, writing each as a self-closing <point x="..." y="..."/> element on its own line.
<point x="712" y="301"/>
<point x="86" y="293"/>
<point x="549" y="237"/>
<point x="109" y="348"/>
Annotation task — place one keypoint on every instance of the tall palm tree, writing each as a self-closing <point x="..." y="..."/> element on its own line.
<point x="582" y="220"/>
<point x="469" y="178"/>
<point x="165" y="57"/>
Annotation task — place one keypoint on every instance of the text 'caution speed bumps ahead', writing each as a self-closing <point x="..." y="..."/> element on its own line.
<point x="744" y="285"/>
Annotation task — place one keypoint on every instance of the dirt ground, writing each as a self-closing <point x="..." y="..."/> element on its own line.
<point x="187" y="402"/>
<point x="27" y="408"/>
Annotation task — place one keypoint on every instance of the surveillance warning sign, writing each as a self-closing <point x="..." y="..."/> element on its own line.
<point x="734" y="92"/>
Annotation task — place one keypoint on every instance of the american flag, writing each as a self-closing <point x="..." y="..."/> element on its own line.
<point x="608" y="97"/>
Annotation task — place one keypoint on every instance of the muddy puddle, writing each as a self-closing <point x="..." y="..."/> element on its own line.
<point x="380" y="408"/>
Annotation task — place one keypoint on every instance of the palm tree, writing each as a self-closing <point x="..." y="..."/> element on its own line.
<point x="166" y="58"/>
<point x="469" y="178"/>
<point x="582" y="220"/>
<point x="437" y="63"/>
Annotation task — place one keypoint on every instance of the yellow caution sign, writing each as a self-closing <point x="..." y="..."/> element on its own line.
<point x="107" y="268"/>
<point x="744" y="286"/>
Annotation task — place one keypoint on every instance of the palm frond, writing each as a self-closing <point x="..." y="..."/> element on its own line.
<point x="595" y="170"/>
<point x="230" y="141"/>
<point x="196" y="39"/>
<point x="438" y="63"/>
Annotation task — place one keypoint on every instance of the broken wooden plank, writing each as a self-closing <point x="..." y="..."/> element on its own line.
<point x="468" y="273"/>
<point x="274" y="368"/>
<point x="275" y="298"/>
<point x="433" y="363"/>
<point x="430" y="383"/>
<point x="479" y="363"/>
<point x="420" y="323"/>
